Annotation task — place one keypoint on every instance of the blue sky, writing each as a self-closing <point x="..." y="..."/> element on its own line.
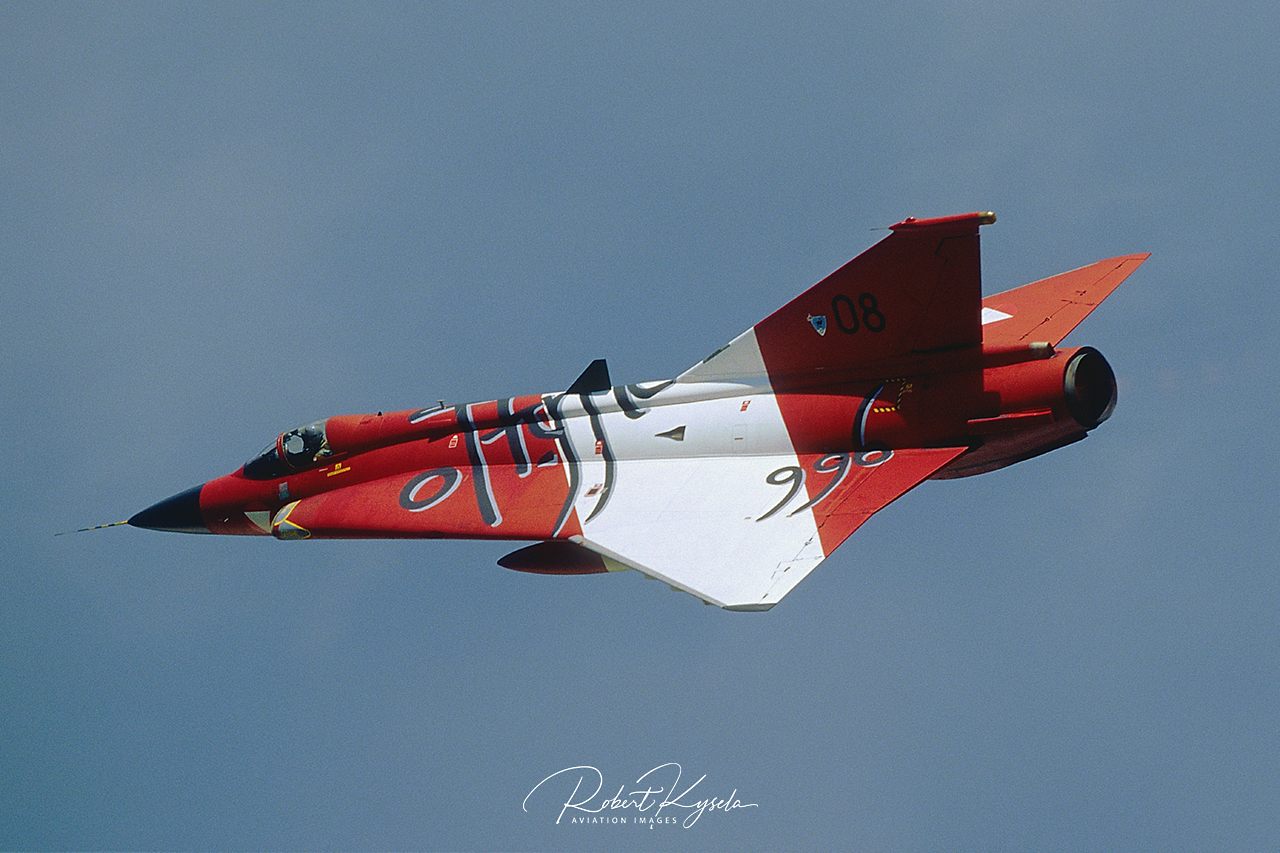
<point x="222" y="221"/>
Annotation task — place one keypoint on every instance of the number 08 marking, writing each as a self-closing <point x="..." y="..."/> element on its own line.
<point x="847" y="314"/>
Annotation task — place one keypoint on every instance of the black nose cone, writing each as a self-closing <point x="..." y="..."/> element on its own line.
<point x="178" y="514"/>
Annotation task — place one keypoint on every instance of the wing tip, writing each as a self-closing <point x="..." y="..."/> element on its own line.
<point x="748" y="608"/>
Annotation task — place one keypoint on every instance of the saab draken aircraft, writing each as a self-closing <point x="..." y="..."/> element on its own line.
<point x="734" y="480"/>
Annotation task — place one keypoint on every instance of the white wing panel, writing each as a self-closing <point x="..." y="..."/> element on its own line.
<point x="704" y="525"/>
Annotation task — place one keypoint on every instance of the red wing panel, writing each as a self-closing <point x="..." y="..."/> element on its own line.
<point x="1048" y="309"/>
<point x="917" y="290"/>
<point x="874" y="481"/>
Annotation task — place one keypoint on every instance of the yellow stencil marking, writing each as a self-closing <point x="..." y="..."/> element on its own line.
<point x="338" y="469"/>
<point x="903" y="390"/>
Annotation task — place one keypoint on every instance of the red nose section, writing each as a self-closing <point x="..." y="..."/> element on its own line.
<point x="178" y="514"/>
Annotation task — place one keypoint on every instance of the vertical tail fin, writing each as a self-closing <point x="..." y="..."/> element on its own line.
<point x="917" y="290"/>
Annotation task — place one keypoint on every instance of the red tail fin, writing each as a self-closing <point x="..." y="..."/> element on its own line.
<point x="918" y="290"/>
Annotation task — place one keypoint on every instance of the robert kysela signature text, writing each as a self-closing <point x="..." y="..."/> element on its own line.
<point x="655" y="791"/>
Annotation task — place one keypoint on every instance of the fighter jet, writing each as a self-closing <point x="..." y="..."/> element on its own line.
<point x="735" y="479"/>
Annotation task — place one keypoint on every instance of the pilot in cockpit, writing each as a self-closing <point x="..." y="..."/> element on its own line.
<point x="295" y="450"/>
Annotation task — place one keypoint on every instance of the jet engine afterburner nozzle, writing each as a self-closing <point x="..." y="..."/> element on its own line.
<point x="1090" y="387"/>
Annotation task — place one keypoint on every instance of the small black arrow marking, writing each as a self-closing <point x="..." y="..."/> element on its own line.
<point x="676" y="434"/>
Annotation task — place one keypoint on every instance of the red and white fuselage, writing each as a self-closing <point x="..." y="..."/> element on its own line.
<point x="738" y="477"/>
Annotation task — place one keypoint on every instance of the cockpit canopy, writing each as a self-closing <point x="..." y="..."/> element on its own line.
<point x="295" y="450"/>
